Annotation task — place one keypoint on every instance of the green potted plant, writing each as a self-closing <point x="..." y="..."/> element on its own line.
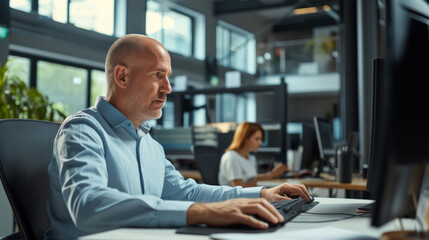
<point x="19" y="101"/>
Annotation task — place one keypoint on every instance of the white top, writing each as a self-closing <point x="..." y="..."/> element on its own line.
<point x="234" y="166"/>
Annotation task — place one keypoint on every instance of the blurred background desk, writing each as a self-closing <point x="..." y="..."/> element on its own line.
<point x="356" y="184"/>
<point x="195" y="174"/>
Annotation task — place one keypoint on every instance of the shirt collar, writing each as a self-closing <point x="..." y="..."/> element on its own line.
<point x="115" y="117"/>
<point x="144" y="127"/>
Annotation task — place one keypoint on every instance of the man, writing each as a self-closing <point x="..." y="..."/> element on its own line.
<point x="107" y="172"/>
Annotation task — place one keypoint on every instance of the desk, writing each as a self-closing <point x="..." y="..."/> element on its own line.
<point x="195" y="174"/>
<point x="327" y="205"/>
<point x="356" y="184"/>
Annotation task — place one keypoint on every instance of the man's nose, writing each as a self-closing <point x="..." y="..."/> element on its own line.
<point x="166" y="87"/>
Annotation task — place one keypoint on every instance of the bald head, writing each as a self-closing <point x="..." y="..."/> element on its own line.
<point x="126" y="50"/>
<point x="137" y="71"/>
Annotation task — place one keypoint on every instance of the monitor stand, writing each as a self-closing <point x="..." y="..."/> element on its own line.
<point x="405" y="235"/>
<point x="368" y="208"/>
<point x="322" y="163"/>
<point x="414" y="235"/>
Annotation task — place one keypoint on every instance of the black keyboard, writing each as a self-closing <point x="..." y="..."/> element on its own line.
<point x="291" y="208"/>
<point x="287" y="208"/>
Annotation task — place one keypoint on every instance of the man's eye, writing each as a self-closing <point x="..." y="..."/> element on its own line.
<point x="157" y="74"/>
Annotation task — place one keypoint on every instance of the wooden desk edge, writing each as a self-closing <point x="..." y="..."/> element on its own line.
<point x="195" y="174"/>
<point x="356" y="184"/>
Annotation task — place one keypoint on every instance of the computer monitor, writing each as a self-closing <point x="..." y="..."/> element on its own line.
<point x="272" y="138"/>
<point x="310" y="151"/>
<point x="325" y="138"/>
<point x="294" y="141"/>
<point x="294" y="133"/>
<point x="378" y="86"/>
<point x="173" y="140"/>
<point x="402" y="153"/>
<point x="275" y="145"/>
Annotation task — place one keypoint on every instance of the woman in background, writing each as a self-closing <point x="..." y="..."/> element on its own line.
<point x="237" y="166"/>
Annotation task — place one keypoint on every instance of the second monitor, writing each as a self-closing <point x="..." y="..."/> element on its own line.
<point x="325" y="138"/>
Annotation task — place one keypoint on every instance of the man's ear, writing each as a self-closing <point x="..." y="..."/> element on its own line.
<point x="120" y="73"/>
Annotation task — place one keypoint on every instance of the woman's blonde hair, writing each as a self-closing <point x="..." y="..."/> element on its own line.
<point x="243" y="132"/>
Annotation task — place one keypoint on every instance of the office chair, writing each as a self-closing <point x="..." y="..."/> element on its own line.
<point x="207" y="159"/>
<point x="25" y="153"/>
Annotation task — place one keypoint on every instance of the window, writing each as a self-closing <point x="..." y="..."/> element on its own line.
<point x="94" y="15"/>
<point x="57" y="10"/>
<point x="173" y="28"/>
<point x="19" y="67"/>
<point x="235" y="108"/>
<point x="66" y="84"/>
<point x="235" y="48"/>
<point x="22" y="5"/>
<point x="63" y="84"/>
<point x="200" y="115"/>
<point x="98" y="85"/>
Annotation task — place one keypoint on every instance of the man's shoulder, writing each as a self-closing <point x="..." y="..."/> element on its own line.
<point x="88" y="113"/>
<point x="89" y="116"/>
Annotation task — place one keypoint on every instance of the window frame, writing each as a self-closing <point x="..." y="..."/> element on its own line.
<point x="117" y="30"/>
<point x="227" y="59"/>
<point x="33" y="70"/>
<point x="192" y="18"/>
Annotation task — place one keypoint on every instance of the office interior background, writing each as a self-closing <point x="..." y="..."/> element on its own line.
<point x="322" y="49"/>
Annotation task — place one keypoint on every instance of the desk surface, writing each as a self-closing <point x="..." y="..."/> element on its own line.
<point x="195" y="174"/>
<point x="356" y="184"/>
<point x="303" y="221"/>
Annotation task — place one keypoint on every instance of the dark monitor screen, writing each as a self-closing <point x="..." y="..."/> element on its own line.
<point x="325" y="139"/>
<point x="272" y="146"/>
<point x="175" y="140"/>
<point x="403" y="137"/>
<point x="294" y="141"/>
<point x="272" y="137"/>
<point x="294" y="133"/>
<point x="310" y="151"/>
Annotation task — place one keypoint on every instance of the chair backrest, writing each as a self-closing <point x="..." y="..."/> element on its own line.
<point x="207" y="159"/>
<point x="25" y="153"/>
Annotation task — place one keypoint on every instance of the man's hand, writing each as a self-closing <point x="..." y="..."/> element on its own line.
<point x="234" y="211"/>
<point x="284" y="192"/>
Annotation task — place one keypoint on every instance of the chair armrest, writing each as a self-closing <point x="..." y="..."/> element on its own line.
<point x="13" y="236"/>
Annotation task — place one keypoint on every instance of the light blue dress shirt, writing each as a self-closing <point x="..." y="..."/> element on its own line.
<point x="104" y="174"/>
